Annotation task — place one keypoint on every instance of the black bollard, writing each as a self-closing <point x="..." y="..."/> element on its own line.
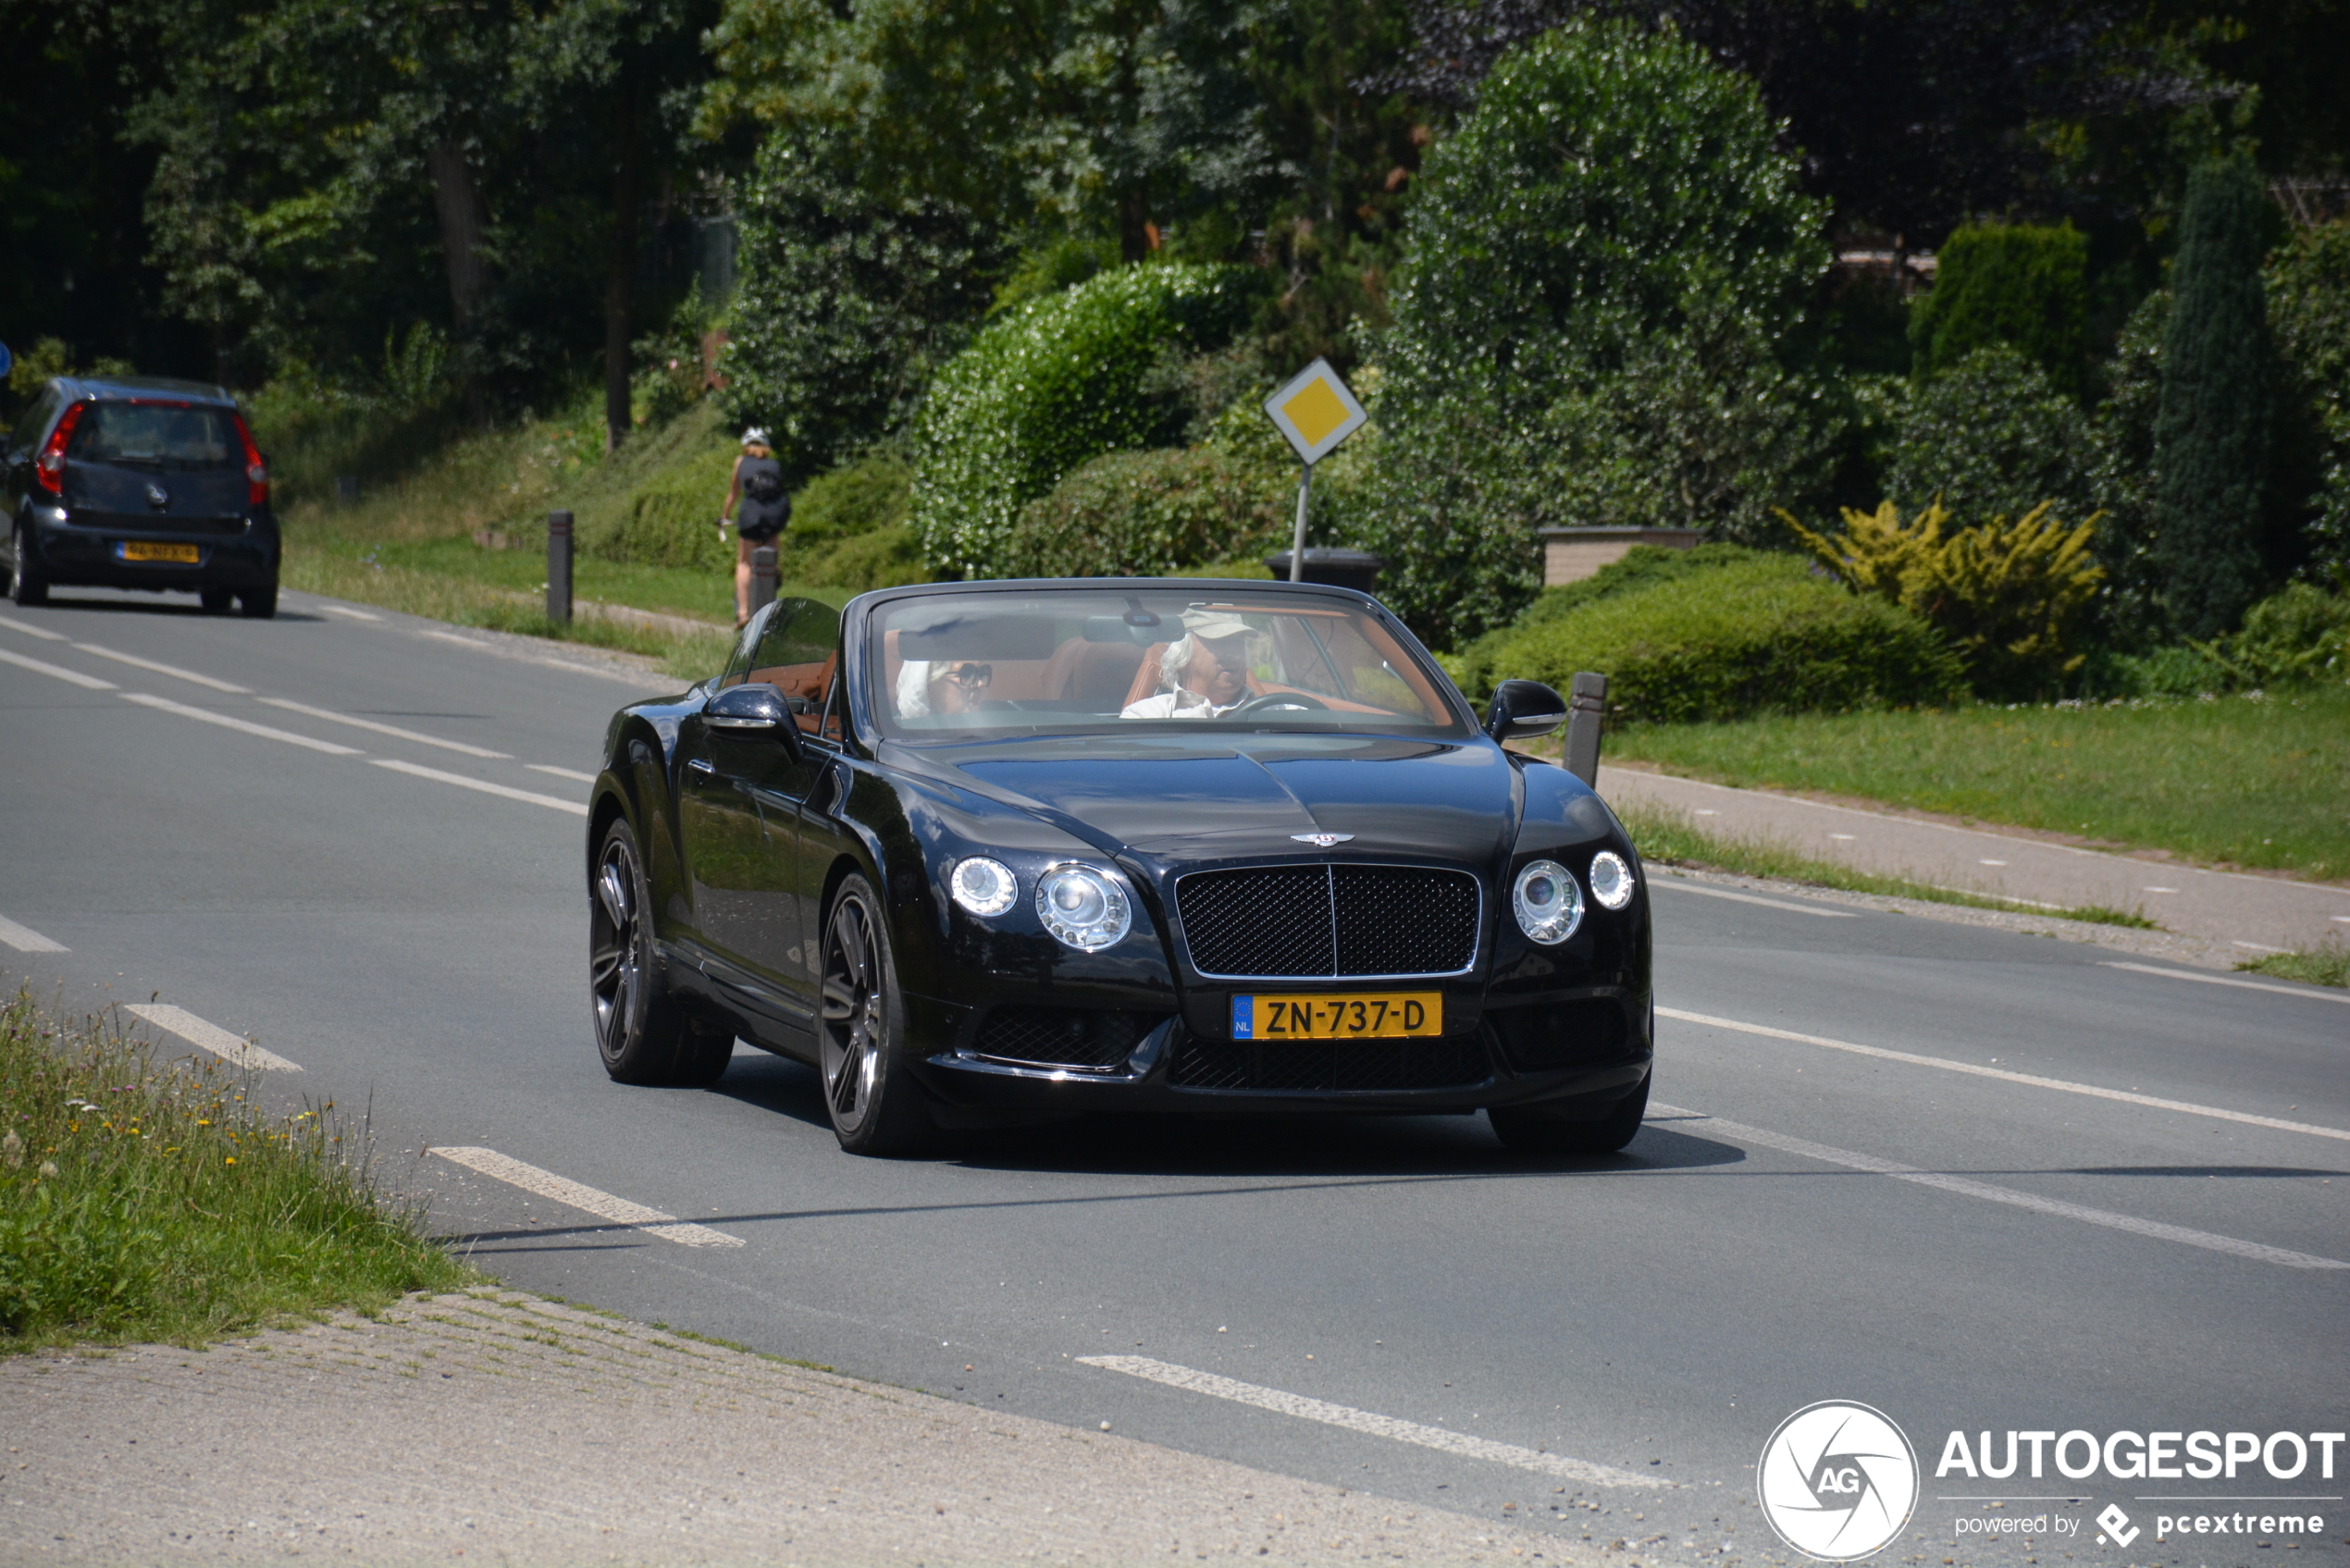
<point x="762" y="577"/>
<point x="1586" y="710"/>
<point x="559" y="567"/>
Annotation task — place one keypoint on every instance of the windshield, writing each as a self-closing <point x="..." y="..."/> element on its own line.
<point x="176" y="435"/>
<point x="1175" y="659"/>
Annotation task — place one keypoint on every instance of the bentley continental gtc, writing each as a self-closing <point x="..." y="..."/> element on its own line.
<point x="1006" y="852"/>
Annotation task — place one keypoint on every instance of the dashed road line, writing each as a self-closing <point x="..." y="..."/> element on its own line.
<point x="346" y="610"/>
<point x="2307" y="993"/>
<point x="172" y="670"/>
<point x="42" y="632"/>
<point x="603" y="1205"/>
<point x="2033" y="1080"/>
<point x="1441" y="1439"/>
<point x="234" y="1049"/>
<point x="24" y="939"/>
<point x="1678" y="884"/>
<point x="225" y="722"/>
<point x="1967" y="1187"/>
<point x="572" y="773"/>
<point x="57" y="672"/>
<point x="382" y="729"/>
<point x="574" y="806"/>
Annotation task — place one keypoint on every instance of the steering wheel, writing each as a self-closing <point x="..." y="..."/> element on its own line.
<point x="1273" y="702"/>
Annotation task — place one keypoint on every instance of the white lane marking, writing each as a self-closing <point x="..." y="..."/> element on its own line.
<point x="561" y="772"/>
<point x="1968" y="1188"/>
<point x="231" y="1048"/>
<point x="226" y="722"/>
<point x="2152" y="889"/>
<point x="172" y="670"/>
<point x="2261" y="946"/>
<point x="42" y="632"/>
<point x="1845" y="837"/>
<point x="2003" y="1074"/>
<point x="1355" y="1420"/>
<point x="603" y="1205"/>
<point x="1750" y="898"/>
<point x="24" y="939"/>
<point x="346" y="610"/>
<point x="1994" y="897"/>
<point x="576" y="808"/>
<point x="2307" y="993"/>
<point x="391" y="730"/>
<point x="1990" y="862"/>
<point x="60" y="671"/>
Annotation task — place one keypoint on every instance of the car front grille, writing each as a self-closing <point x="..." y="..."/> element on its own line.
<point x="1080" y="1039"/>
<point x="1440" y="1062"/>
<point x="1302" y="922"/>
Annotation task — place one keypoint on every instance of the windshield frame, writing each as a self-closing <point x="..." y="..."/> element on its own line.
<point x="875" y="715"/>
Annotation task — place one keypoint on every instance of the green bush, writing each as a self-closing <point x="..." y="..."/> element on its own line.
<point x="1051" y="384"/>
<point x="1610" y="263"/>
<point x="1991" y="437"/>
<point x="672" y="518"/>
<point x="2310" y="311"/>
<point x="2009" y="284"/>
<point x="1763" y="635"/>
<point x="1643" y="566"/>
<point x="1149" y="514"/>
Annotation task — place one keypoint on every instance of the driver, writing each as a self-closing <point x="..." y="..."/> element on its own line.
<point x="1204" y="673"/>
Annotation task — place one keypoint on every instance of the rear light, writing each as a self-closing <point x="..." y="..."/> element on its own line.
<point x="49" y="468"/>
<point x="256" y="470"/>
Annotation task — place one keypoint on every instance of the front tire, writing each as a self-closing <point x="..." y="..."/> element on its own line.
<point x="26" y="586"/>
<point x="642" y="1035"/>
<point x="1526" y="1130"/>
<point x="876" y="1106"/>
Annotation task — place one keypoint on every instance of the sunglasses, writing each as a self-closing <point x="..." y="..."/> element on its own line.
<point x="968" y="676"/>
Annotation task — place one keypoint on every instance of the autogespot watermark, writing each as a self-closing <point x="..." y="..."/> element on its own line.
<point x="1840" y="1482"/>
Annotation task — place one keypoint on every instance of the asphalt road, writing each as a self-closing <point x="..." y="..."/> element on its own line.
<point x="2133" y="1216"/>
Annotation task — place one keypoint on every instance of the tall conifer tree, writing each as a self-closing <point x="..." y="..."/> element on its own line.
<point x="2212" y="432"/>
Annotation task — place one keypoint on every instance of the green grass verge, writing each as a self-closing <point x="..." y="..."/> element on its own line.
<point x="1668" y="837"/>
<point x="2328" y="965"/>
<point x="142" y="1200"/>
<point x="2251" y="781"/>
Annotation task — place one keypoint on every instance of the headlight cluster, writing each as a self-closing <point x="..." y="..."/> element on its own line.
<point x="1549" y="901"/>
<point x="1082" y="906"/>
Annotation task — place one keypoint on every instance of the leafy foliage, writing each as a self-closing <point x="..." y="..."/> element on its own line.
<point x="849" y="302"/>
<point x="2007" y="594"/>
<point x="1046" y="387"/>
<point x="2013" y="284"/>
<point x="1608" y="260"/>
<point x="2309" y="289"/>
<point x="1760" y="635"/>
<point x="1991" y="437"/>
<point x="2212" y="432"/>
<point x="1149" y="514"/>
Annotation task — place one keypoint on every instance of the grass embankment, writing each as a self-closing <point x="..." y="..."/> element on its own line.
<point x="2328" y="965"/>
<point x="460" y="536"/>
<point x="1669" y="837"/>
<point x="2255" y="780"/>
<point x="145" y="1200"/>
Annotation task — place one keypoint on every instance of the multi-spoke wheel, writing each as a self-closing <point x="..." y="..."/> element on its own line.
<point x="876" y="1106"/>
<point x="643" y="1035"/>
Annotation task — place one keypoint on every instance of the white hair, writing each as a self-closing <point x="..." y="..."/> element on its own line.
<point x="1175" y="660"/>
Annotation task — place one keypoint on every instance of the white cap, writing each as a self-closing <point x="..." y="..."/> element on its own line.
<point x="1215" y="623"/>
<point x="755" y="437"/>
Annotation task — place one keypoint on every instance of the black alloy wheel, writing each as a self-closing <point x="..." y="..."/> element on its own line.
<point x="216" y="601"/>
<point x="24" y="584"/>
<point x="643" y="1035"/>
<point x="876" y="1106"/>
<point x="1528" y="1130"/>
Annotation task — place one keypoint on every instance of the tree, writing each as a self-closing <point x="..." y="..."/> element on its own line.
<point x="2212" y="432"/>
<point x="2009" y="283"/>
<point x="1607" y="276"/>
<point x="1992" y="436"/>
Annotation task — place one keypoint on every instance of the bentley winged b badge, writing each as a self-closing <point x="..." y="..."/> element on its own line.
<point x="1321" y="840"/>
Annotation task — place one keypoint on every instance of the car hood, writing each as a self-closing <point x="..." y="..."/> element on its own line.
<point x="1173" y="800"/>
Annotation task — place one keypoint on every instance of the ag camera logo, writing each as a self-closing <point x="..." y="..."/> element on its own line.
<point x="1837" y="1480"/>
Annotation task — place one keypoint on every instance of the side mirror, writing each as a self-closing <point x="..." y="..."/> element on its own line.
<point x="1522" y="710"/>
<point x="751" y="710"/>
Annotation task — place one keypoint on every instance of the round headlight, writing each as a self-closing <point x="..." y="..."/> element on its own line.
<point x="1549" y="902"/>
<point x="1611" y="880"/>
<point x="984" y="886"/>
<point x="1082" y="907"/>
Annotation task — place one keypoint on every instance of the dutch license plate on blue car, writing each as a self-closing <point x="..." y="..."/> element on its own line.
<point x="1339" y="1016"/>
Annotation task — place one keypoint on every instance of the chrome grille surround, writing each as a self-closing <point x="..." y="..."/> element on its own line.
<point x="1330" y="921"/>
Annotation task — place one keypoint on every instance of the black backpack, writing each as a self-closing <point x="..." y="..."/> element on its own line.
<point x="763" y="480"/>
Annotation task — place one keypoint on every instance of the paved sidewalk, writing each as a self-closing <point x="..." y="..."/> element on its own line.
<point x="495" y="1427"/>
<point x="2251" y="914"/>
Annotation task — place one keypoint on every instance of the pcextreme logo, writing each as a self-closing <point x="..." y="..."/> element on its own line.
<point x="1837" y="1480"/>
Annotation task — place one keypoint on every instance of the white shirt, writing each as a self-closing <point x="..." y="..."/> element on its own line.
<point x="1178" y="704"/>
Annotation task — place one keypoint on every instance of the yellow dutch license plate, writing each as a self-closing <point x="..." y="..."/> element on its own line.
<point x="1339" y="1016"/>
<point x="144" y="550"/>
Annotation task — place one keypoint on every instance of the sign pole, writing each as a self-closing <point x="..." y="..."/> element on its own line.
<point x="1297" y="543"/>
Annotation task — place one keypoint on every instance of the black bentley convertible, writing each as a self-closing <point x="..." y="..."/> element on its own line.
<point x="1002" y="852"/>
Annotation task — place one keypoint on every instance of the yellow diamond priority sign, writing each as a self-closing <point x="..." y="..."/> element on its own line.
<point x="1315" y="412"/>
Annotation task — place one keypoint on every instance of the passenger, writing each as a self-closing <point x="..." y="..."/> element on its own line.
<point x="1204" y="673"/>
<point x="940" y="687"/>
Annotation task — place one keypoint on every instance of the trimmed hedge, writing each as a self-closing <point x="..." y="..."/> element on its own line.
<point x="1761" y="635"/>
<point x="1053" y="383"/>
<point x="1149" y="514"/>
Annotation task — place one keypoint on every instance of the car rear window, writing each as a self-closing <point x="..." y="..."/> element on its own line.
<point x="180" y="436"/>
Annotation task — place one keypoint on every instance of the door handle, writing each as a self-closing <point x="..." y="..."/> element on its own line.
<point x="701" y="765"/>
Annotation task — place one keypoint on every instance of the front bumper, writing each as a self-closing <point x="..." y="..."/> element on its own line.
<point x="72" y="556"/>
